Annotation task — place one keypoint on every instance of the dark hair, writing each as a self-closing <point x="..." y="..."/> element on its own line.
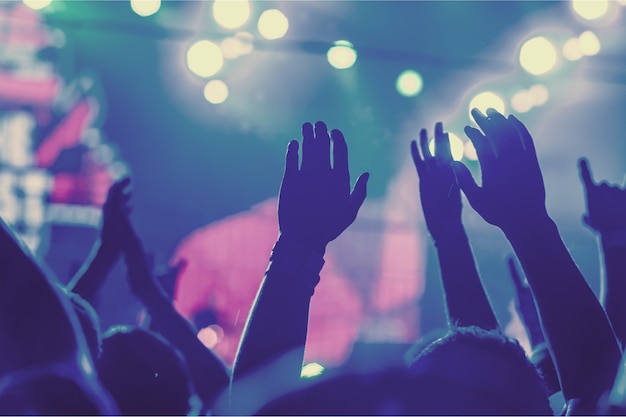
<point x="144" y="373"/>
<point x="485" y="371"/>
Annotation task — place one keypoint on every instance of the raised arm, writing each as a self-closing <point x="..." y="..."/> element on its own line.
<point x="467" y="303"/>
<point x="606" y="215"/>
<point x="315" y="206"/>
<point x="512" y="197"/>
<point x="108" y="249"/>
<point x="525" y="306"/>
<point x="208" y="373"/>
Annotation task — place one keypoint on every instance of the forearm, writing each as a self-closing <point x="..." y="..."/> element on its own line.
<point x="278" y="321"/>
<point x="614" y="288"/>
<point x="581" y="339"/>
<point x="90" y="277"/>
<point x="466" y="300"/>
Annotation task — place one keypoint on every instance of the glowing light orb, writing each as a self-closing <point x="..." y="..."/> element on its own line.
<point x="204" y="58"/>
<point x="273" y="24"/>
<point x="456" y="146"/>
<point x="216" y="91"/>
<point x="486" y="100"/>
<point x="539" y="94"/>
<point x="145" y="7"/>
<point x="589" y="43"/>
<point x="521" y="102"/>
<point x="537" y="56"/>
<point x="37" y="4"/>
<point x="236" y="46"/>
<point x="342" y="55"/>
<point x="211" y="335"/>
<point x="409" y="83"/>
<point x="590" y="9"/>
<point x="231" y="14"/>
<point x="311" y="369"/>
<point x="572" y="50"/>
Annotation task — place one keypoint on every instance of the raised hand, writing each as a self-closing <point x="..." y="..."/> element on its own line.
<point x="440" y="194"/>
<point x="606" y="204"/>
<point x="115" y="209"/>
<point x="315" y="204"/>
<point x="512" y="190"/>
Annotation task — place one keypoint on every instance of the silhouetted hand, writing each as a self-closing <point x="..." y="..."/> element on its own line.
<point x="167" y="276"/>
<point x="114" y="211"/>
<point x="315" y="203"/>
<point x="512" y="186"/>
<point x="439" y="192"/>
<point x="606" y="204"/>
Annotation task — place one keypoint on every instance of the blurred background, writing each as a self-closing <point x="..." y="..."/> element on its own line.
<point x="197" y="100"/>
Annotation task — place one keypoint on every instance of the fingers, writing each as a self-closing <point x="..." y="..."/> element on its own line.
<point x="359" y="192"/>
<point x="291" y="159"/>
<point x="417" y="159"/>
<point x="442" y="144"/>
<point x="483" y="149"/>
<point x="340" y="154"/>
<point x="308" y="145"/>
<point x="322" y="145"/>
<point x="466" y="182"/>
<point x="424" y="144"/>
<point x="585" y="173"/>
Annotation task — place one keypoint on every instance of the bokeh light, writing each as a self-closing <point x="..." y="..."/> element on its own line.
<point x="572" y="50"/>
<point x="204" y="58"/>
<point x="311" y="369"/>
<point x="145" y="7"/>
<point x="273" y="24"/>
<point x="539" y="94"/>
<point x="590" y="9"/>
<point x="409" y="83"/>
<point x="486" y="100"/>
<point x="216" y="91"/>
<point x="537" y="56"/>
<point x="522" y="101"/>
<point x="211" y="335"/>
<point x="235" y="46"/>
<point x="37" y="4"/>
<point x="589" y="43"/>
<point x="456" y="146"/>
<point x="341" y="55"/>
<point x="231" y="14"/>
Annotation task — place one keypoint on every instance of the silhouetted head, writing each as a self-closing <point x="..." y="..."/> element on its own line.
<point x="54" y="389"/>
<point x="143" y="373"/>
<point x="475" y="371"/>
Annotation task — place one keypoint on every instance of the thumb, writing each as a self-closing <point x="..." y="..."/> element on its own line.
<point x="359" y="192"/>
<point x="466" y="182"/>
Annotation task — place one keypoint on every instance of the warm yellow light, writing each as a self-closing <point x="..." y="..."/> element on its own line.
<point x="204" y="58"/>
<point x="537" y="56"/>
<point x="273" y="24"/>
<point x="231" y="14"/>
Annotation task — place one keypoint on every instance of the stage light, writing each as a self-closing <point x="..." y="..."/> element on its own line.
<point x="341" y="55"/>
<point x="37" y="4"/>
<point x="235" y="46"/>
<point x="537" y="56"/>
<point x="311" y="369"/>
<point x="469" y="151"/>
<point x="211" y="335"/>
<point x="273" y="24"/>
<point x="539" y="94"/>
<point x="216" y="91"/>
<point x="456" y="146"/>
<point x="204" y="58"/>
<point x="409" y="83"/>
<point x="572" y="50"/>
<point x="231" y="14"/>
<point x="590" y="9"/>
<point x="589" y="43"/>
<point x="486" y="100"/>
<point x="521" y="102"/>
<point x="145" y="7"/>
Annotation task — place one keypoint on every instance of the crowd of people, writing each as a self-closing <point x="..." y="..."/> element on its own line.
<point x="55" y="359"/>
